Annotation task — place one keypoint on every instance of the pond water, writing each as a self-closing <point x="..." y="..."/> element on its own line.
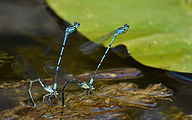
<point x="17" y="37"/>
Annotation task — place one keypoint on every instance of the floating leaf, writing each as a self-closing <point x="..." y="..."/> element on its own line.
<point x="160" y="33"/>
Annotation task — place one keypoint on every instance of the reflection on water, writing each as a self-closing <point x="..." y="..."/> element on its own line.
<point x="185" y="77"/>
<point x="16" y="38"/>
<point x="4" y="58"/>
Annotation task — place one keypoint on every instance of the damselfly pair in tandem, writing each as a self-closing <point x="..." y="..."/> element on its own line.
<point x="25" y="69"/>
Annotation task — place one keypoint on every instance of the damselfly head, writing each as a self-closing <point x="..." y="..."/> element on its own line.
<point x="76" y="24"/>
<point x="56" y="92"/>
<point x="93" y="87"/>
<point x="126" y="26"/>
<point x="122" y="30"/>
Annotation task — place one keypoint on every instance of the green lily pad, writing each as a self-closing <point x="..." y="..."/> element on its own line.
<point x="160" y="33"/>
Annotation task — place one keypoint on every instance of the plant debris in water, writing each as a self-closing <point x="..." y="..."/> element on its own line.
<point x="113" y="74"/>
<point x="110" y="100"/>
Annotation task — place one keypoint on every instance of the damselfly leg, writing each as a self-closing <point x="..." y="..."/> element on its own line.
<point x="68" y="30"/>
<point x="93" y="45"/>
<point x="62" y="72"/>
<point x="25" y="69"/>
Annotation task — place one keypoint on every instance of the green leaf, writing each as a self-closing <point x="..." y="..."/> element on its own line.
<point x="160" y="33"/>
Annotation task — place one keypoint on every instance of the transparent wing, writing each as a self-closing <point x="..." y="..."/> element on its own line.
<point x="48" y="26"/>
<point x="21" y="61"/>
<point x="25" y="69"/>
<point x="17" y="69"/>
<point x="24" y="73"/>
<point x="32" y="70"/>
<point x="28" y="74"/>
<point x="43" y="32"/>
<point x="27" y="65"/>
<point x="50" y="68"/>
<point x="48" y="49"/>
<point x="93" y="45"/>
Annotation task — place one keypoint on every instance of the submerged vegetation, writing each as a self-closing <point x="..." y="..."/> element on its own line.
<point x="112" y="99"/>
<point x="160" y="31"/>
